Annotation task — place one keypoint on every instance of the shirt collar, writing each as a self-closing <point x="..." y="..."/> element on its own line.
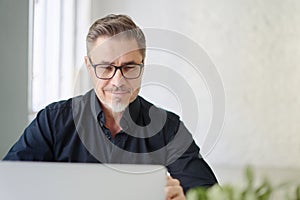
<point x="131" y="115"/>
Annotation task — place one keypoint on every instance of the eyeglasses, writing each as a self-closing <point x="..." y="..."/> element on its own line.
<point x="107" y="71"/>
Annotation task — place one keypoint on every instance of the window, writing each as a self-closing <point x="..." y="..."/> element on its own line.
<point x="57" y="40"/>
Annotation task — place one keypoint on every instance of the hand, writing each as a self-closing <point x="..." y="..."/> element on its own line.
<point x="173" y="189"/>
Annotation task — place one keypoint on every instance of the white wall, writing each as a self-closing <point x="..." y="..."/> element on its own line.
<point x="13" y="71"/>
<point x="255" y="46"/>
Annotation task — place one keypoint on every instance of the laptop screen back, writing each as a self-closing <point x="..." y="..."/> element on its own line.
<point x="77" y="181"/>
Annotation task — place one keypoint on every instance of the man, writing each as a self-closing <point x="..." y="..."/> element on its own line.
<point x="112" y="124"/>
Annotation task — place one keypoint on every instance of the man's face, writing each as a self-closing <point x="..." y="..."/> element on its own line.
<point x="116" y="93"/>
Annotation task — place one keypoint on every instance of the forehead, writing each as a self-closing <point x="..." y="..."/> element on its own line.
<point x="112" y="48"/>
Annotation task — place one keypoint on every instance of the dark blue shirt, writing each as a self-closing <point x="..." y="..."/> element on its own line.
<point x="74" y="131"/>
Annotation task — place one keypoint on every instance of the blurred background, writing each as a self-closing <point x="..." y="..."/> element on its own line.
<point x="254" y="44"/>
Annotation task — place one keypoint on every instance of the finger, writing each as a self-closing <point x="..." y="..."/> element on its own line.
<point x="169" y="177"/>
<point x="172" y="182"/>
<point x="178" y="197"/>
<point x="174" y="192"/>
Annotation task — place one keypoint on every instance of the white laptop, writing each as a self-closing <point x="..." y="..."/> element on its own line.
<point x="80" y="181"/>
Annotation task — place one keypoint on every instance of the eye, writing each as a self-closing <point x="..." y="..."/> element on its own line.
<point x="129" y="67"/>
<point x="106" y="67"/>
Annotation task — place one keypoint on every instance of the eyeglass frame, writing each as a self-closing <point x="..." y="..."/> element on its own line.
<point x="116" y="68"/>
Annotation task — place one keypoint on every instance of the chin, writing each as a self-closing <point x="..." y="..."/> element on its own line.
<point x="118" y="107"/>
<point x="117" y="104"/>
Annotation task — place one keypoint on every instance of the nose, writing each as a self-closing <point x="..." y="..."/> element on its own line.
<point x="118" y="78"/>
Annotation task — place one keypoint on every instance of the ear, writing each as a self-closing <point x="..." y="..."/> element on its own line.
<point x="142" y="72"/>
<point x="87" y="62"/>
<point x="88" y="66"/>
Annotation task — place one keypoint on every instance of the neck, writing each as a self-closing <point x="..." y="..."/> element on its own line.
<point x="112" y="120"/>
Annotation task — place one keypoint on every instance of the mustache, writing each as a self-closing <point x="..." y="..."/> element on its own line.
<point x="117" y="89"/>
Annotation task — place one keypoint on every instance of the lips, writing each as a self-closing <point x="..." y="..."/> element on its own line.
<point x="120" y="92"/>
<point x="117" y="90"/>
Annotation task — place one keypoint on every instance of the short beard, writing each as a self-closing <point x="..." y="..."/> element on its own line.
<point x="115" y="107"/>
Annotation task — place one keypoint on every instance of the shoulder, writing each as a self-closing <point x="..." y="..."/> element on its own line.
<point x="57" y="118"/>
<point x="68" y="104"/>
<point x="168" y="123"/>
<point x="63" y="108"/>
<point x="146" y="105"/>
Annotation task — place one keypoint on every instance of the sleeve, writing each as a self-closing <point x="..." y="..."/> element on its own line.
<point x="35" y="144"/>
<point x="192" y="170"/>
<point x="186" y="163"/>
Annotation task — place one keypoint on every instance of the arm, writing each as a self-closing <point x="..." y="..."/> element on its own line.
<point x="192" y="170"/>
<point x="35" y="143"/>
<point x="184" y="160"/>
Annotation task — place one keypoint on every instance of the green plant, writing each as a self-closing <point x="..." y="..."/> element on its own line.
<point x="251" y="191"/>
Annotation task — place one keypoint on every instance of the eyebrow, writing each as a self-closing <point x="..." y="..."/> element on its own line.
<point x="125" y="63"/>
